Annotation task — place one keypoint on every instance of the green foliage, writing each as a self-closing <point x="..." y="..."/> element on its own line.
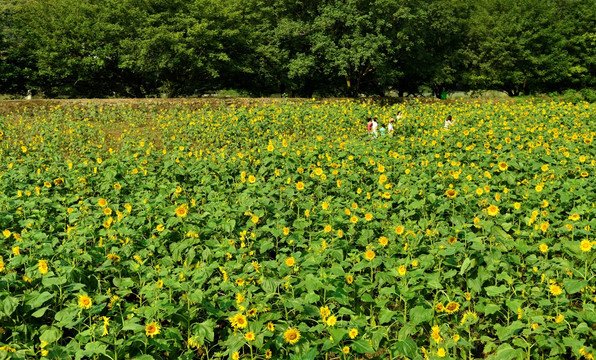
<point x="298" y="48"/>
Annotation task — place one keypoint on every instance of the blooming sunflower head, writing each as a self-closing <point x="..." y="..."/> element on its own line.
<point x="182" y="210"/>
<point x="493" y="210"/>
<point x="451" y="193"/>
<point x="152" y="329"/>
<point x="585" y="245"/>
<point x="451" y="307"/>
<point x="290" y="261"/>
<point x="85" y="302"/>
<point x="291" y="336"/>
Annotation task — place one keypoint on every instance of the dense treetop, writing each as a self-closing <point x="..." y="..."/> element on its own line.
<point x="98" y="48"/>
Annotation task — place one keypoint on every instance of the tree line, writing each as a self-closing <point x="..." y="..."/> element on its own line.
<point x="138" y="48"/>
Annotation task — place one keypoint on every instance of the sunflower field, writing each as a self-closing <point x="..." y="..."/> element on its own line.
<point x="285" y="231"/>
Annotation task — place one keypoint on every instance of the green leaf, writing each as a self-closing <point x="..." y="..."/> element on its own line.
<point x="132" y="325"/>
<point x="123" y="283"/>
<point x="50" y="335"/>
<point x="420" y="314"/>
<point x="506" y="352"/>
<point x="385" y="315"/>
<point x="491" y="309"/>
<point x="65" y="316"/>
<point x="205" y="330"/>
<point x="496" y="290"/>
<point x="38" y="299"/>
<point x="506" y="332"/>
<point x="338" y="335"/>
<point x="406" y="348"/>
<point x="363" y="346"/>
<point x="95" y="348"/>
<point x="465" y="266"/>
<point x="574" y="286"/>
<point x="10" y="305"/>
<point x="39" y="313"/>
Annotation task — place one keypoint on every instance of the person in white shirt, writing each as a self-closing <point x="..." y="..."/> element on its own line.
<point x="374" y="127"/>
<point x="390" y="128"/>
<point x="448" y="122"/>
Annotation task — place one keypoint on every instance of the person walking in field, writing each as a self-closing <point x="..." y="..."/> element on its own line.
<point x="369" y="127"/>
<point x="390" y="128"/>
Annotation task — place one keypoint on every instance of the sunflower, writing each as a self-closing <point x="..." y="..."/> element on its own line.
<point x="383" y="241"/>
<point x="451" y="307"/>
<point x="369" y="255"/>
<point x="346" y="350"/>
<point x="113" y="257"/>
<point x="182" y="210"/>
<point x="152" y="329"/>
<point x="585" y="245"/>
<point x="300" y="185"/>
<point x="239" y="321"/>
<point x="349" y="279"/>
<point x="399" y="230"/>
<point x="102" y="202"/>
<point x="85" y="302"/>
<point x="493" y="210"/>
<point x="451" y="193"/>
<point x="574" y="217"/>
<point x="291" y="336"/>
<point x="324" y="311"/>
<point x="401" y="270"/>
<point x="250" y="336"/>
<point x="555" y="290"/>
<point x="42" y="266"/>
<point x="268" y="354"/>
<point x="290" y="261"/>
<point x="435" y="334"/>
<point x="331" y="320"/>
